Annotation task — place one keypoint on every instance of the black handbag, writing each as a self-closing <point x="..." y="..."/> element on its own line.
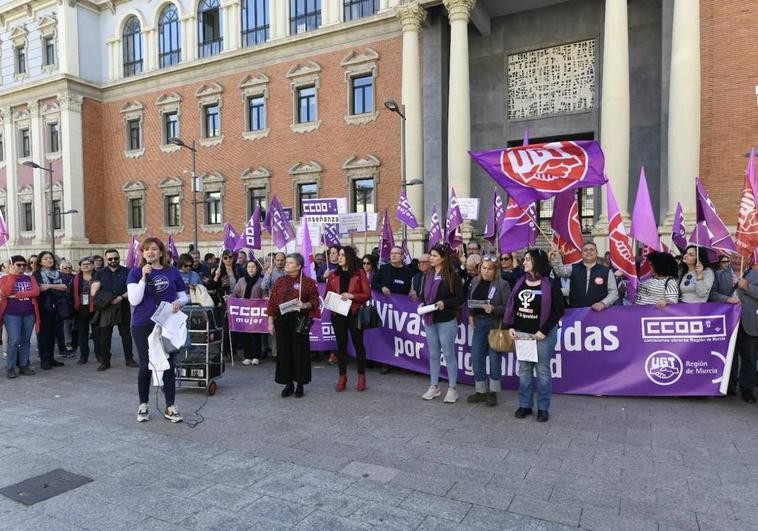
<point x="368" y="317"/>
<point x="304" y="321"/>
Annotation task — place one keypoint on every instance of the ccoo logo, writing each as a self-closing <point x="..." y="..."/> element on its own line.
<point x="551" y="167"/>
<point x="663" y="367"/>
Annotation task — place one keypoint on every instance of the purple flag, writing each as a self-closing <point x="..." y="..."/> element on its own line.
<point x="330" y="235"/>
<point x="540" y="171"/>
<point x="251" y="238"/>
<point x="706" y="212"/>
<point x="230" y="236"/>
<point x="494" y="218"/>
<point x="435" y="229"/>
<point x="518" y="230"/>
<point x="678" y="231"/>
<point x="703" y="237"/>
<point x="453" y="221"/>
<point x="282" y="231"/>
<point x="644" y="228"/>
<point x="4" y="234"/>
<point x="306" y="249"/>
<point x="406" y="253"/>
<point x="404" y="213"/>
<point x="171" y="246"/>
<point x="133" y="255"/>
<point x="387" y="239"/>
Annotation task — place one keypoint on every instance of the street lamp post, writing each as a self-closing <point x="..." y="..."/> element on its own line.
<point x="50" y="210"/>
<point x="178" y="142"/>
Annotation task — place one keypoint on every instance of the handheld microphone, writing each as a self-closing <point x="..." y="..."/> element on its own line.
<point x="148" y="280"/>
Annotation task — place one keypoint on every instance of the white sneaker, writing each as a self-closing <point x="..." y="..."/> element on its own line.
<point x="172" y="414"/>
<point x="247" y="362"/>
<point x="451" y="397"/>
<point x="143" y="415"/>
<point x="255" y="361"/>
<point x="432" y="392"/>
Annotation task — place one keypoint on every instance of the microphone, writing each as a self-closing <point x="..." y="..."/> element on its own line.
<point x="148" y="280"/>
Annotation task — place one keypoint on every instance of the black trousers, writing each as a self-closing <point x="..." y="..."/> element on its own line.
<point x="46" y="336"/>
<point x="293" y="359"/>
<point x="124" y="331"/>
<point x="83" y="325"/>
<point x="342" y="325"/>
<point x="748" y="361"/>
<point x="252" y="346"/>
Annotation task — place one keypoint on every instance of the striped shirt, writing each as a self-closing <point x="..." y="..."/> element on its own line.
<point x="655" y="289"/>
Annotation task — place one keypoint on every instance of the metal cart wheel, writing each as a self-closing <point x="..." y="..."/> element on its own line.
<point x="212" y="387"/>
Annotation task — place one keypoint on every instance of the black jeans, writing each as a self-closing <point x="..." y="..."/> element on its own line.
<point x="83" y="322"/>
<point x="252" y="344"/>
<point x="124" y="330"/>
<point x="342" y="325"/>
<point x="747" y="361"/>
<point x="46" y="337"/>
<point x="140" y="334"/>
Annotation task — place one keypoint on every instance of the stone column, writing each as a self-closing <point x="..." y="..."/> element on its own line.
<point x="149" y="49"/>
<point x="614" y="106"/>
<point x="68" y="41"/>
<point x="331" y="12"/>
<point x="11" y="177"/>
<point x="232" y="25"/>
<point x="412" y="16"/>
<point x="73" y="167"/>
<point x="459" y="106"/>
<point x="684" y="108"/>
<point x="189" y="38"/>
<point x="278" y="20"/>
<point x="41" y="179"/>
<point x="112" y="63"/>
<point x="384" y="5"/>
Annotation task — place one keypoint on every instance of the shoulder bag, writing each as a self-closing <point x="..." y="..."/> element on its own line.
<point x="304" y="320"/>
<point x="368" y="317"/>
<point x="500" y="339"/>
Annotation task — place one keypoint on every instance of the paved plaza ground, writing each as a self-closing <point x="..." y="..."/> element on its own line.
<point x="380" y="459"/>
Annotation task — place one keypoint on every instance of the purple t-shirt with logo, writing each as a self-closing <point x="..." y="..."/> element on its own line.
<point x="167" y="282"/>
<point x="20" y="306"/>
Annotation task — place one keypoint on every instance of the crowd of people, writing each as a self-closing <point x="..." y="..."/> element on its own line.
<point x="524" y="293"/>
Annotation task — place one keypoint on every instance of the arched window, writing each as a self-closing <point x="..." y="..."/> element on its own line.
<point x="255" y="23"/>
<point x="169" y="38"/>
<point x="132" y="44"/>
<point x="210" y="40"/>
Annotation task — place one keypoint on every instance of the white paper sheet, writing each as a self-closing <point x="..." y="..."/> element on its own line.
<point x="526" y="350"/>
<point x="429" y="308"/>
<point x="164" y="315"/>
<point x="334" y="303"/>
<point x="289" y="306"/>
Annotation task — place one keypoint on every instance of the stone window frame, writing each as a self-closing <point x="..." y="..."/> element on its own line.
<point x="51" y="114"/>
<point x="25" y="195"/>
<point x="356" y="168"/>
<point x="48" y="29"/>
<point x="19" y="38"/>
<point x="57" y="195"/>
<point x="304" y="173"/>
<point x="257" y="178"/>
<point x="169" y="102"/>
<point x="134" y="110"/>
<point x="22" y="119"/>
<point x="357" y="64"/>
<point x="302" y="76"/>
<point x="213" y="182"/>
<point x="210" y="94"/>
<point x="253" y="86"/>
<point x="172" y="186"/>
<point x="136" y="190"/>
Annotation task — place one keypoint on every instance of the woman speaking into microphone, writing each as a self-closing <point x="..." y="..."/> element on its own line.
<point x="155" y="281"/>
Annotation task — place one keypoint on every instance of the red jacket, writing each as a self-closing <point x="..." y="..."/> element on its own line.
<point x="77" y="296"/>
<point x="358" y="287"/>
<point x="7" y="283"/>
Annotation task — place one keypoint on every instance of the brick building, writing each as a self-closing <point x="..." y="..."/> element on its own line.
<point x="286" y="97"/>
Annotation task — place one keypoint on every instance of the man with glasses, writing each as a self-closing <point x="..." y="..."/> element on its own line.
<point x="592" y="284"/>
<point x="509" y="269"/>
<point x="474" y="248"/>
<point x="394" y="277"/>
<point x="418" y="279"/>
<point x="201" y="268"/>
<point x="111" y="282"/>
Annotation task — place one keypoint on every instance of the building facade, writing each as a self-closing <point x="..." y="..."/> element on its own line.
<point x="287" y="97"/>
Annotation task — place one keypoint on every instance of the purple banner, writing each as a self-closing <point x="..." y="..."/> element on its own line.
<point x="247" y="315"/>
<point x="318" y="207"/>
<point x="681" y="350"/>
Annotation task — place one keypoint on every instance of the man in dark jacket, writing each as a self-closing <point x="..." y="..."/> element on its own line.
<point x="592" y="284"/>
<point x="394" y="277"/>
<point x="112" y="279"/>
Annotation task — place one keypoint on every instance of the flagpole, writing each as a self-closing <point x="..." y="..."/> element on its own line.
<point x="537" y="225"/>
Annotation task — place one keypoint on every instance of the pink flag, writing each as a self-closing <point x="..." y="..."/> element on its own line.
<point x="518" y="230"/>
<point x="306" y="249"/>
<point x="133" y="255"/>
<point x="452" y="223"/>
<point x="567" y="229"/>
<point x="171" y="246"/>
<point x="622" y="255"/>
<point x="404" y="213"/>
<point x="706" y="212"/>
<point x="435" y="229"/>
<point x="494" y="218"/>
<point x="644" y="229"/>
<point x="387" y="239"/>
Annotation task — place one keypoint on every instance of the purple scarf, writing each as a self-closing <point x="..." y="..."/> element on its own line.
<point x="545" y="304"/>
<point x="431" y="285"/>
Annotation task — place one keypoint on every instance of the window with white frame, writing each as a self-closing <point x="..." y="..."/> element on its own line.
<point x="48" y="44"/>
<point x="255" y="22"/>
<point x="136" y="212"/>
<point x="169" y="107"/>
<point x="134" y="119"/>
<point x="27" y="216"/>
<point x="47" y="30"/>
<point x="210" y="102"/>
<point x="355" y="9"/>
<point x="173" y="207"/>
<point x="213" y="193"/>
<point x="306" y="182"/>
<point x="361" y="70"/>
<point x="133" y="134"/>
<point x="18" y="38"/>
<point x="21" y="60"/>
<point x="257" y="186"/>
<point x="210" y="38"/>
<point x="169" y="37"/>
<point x="136" y="197"/>
<point x="254" y="90"/>
<point x="171" y="189"/>
<point x="362" y="180"/>
<point x="304" y="87"/>
<point x="25" y="143"/>
<point x="53" y="137"/>
<point x="57" y="214"/>
<point x="131" y="39"/>
<point x="305" y="15"/>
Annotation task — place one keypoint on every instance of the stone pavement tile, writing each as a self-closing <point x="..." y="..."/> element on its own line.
<point x="327" y="446"/>
<point x="699" y="503"/>
<point x="215" y="519"/>
<point x="233" y="458"/>
<point x="465" y="473"/>
<point x="481" y="494"/>
<point x="745" y="512"/>
<point x="709" y="522"/>
<point x="136" y="475"/>
<point x="47" y="523"/>
<point x="562" y="513"/>
<point x="278" y="511"/>
<point x="528" y="487"/>
<point x="319" y="521"/>
<point x="13" y="513"/>
<point x="486" y="518"/>
<point x="602" y="520"/>
<point x="380" y="515"/>
<point x="432" y="523"/>
<point x="78" y="508"/>
<point x="423" y="482"/>
<point x="236" y="476"/>
<point x="309" y="491"/>
<point x="385" y="494"/>
<point x="359" y="469"/>
<point x="154" y="524"/>
<point x="653" y="480"/>
<point x="436" y="506"/>
<point x="532" y="459"/>
<point x="164" y="507"/>
<point x="586" y="497"/>
<point x="230" y="498"/>
<point x="662" y="514"/>
<point x="181" y="485"/>
<point x="592" y="470"/>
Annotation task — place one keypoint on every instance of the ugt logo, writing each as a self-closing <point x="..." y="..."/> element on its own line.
<point x="663" y="367"/>
<point x="551" y="167"/>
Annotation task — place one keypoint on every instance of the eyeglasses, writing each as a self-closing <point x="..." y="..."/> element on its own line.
<point x="226" y="257"/>
<point x="83" y="263"/>
<point x="725" y="261"/>
<point x="366" y="263"/>
<point x="505" y="258"/>
<point x="20" y="264"/>
<point x="113" y="259"/>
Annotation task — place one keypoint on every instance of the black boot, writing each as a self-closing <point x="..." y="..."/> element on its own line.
<point x="299" y="391"/>
<point x="288" y="389"/>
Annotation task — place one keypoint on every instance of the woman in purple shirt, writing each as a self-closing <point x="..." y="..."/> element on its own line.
<point x="155" y="281"/>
